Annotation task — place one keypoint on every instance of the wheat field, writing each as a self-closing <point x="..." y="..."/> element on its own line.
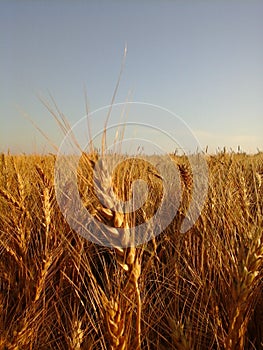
<point x="202" y="289"/>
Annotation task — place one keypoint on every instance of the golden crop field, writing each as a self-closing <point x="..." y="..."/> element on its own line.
<point x="202" y="289"/>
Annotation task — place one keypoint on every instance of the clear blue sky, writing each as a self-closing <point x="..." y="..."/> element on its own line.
<point x="203" y="60"/>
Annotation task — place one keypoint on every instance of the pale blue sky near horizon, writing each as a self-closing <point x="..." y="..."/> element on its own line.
<point x="202" y="60"/>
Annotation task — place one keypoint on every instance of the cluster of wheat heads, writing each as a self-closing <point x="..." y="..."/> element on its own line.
<point x="197" y="290"/>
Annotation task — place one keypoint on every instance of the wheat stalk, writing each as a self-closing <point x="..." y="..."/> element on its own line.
<point x="120" y="306"/>
<point x="242" y="291"/>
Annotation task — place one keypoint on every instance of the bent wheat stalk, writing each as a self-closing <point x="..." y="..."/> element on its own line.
<point x="124" y="298"/>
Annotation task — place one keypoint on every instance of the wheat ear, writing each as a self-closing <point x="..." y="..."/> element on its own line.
<point x="120" y="306"/>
